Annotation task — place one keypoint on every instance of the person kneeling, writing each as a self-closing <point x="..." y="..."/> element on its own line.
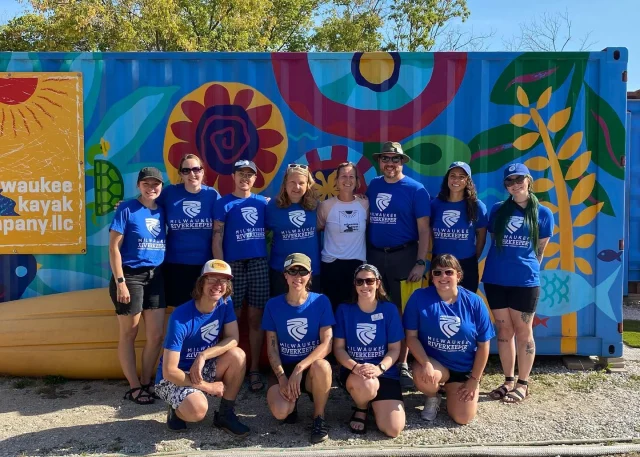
<point x="368" y="335"/>
<point x="201" y="355"/>
<point x="448" y="330"/>
<point x="298" y="327"/>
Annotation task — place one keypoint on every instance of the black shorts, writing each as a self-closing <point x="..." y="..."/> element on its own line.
<point x="337" y="280"/>
<point x="389" y="388"/>
<point x="278" y="284"/>
<point x="523" y="299"/>
<point x="288" y="369"/>
<point x="458" y="376"/>
<point x="180" y="280"/>
<point x="146" y="288"/>
<point x="470" y="275"/>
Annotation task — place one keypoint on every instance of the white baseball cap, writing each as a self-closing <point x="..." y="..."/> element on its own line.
<point x="217" y="266"/>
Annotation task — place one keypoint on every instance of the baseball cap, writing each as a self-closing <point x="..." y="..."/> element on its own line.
<point x="392" y="147"/>
<point x="463" y="165"/>
<point x="244" y="164"/>
<point x="297" y="259"/>
<point x="150" y="172"/>
<point x="516" y="169"/>
<point x="217" y="266"/>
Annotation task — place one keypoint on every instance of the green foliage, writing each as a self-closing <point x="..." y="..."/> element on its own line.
<point x="631" y="333"/>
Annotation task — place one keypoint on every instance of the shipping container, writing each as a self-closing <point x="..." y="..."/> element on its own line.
<point x="632" y="246"/>
<point x="76" y="128"/>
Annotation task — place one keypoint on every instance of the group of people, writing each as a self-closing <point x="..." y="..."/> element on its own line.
<point x="341" y="296"/>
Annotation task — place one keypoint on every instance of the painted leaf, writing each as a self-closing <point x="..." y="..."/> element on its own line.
<point x="599" y="194"/>
<point x="526" y="141"/>
<point x="544" y="98"/>
<point x="520" y="120"/>
<point x="585" y="241"/>
<point x="552" y="264"/>
<point x="431" y="155"/>
<point x="91" y="65"/>
<point x="587" y="215"/>
<point x="551" y="206"/>
<point x="574" y="95"/>
<point x="559" y="120"/>
<point x="579" y="166"/>
<point x="522" y="97"/>
<point x="583" y="189"/>
<point x="542" y="185"/>
<point x="534" y="72"/>
<point x="570" y="147"/>
<point x="605" y="134"/>
<point x="552" y="249"/>
<point x="584" y="266"/>
<point x="493" y="149"/>
<point x="539" y="163"/>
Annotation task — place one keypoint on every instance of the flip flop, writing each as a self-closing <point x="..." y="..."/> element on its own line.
<point x="143" y="398"/>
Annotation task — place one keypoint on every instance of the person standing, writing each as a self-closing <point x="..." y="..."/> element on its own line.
<point x="239" y="239"/>
<point x="399" y="232"/>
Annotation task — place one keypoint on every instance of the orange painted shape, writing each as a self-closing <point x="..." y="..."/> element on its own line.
<point x="569" y="342"/>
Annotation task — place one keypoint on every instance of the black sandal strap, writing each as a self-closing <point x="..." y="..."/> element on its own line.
<point x="359" y="410"/>
<point x="513" y="393"/>
<point x="522" y="382"/>
<point x="509" y="378"/>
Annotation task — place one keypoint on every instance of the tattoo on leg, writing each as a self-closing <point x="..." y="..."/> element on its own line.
<point x="502" y="340"/>
<point x="531" y="347"/>
<point x="526" y="317"/>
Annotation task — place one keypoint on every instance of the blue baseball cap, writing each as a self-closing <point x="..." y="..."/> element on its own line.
<point x="463" y="165"/>
<point x="516" y="169"/>
<point x="244" y="164"/>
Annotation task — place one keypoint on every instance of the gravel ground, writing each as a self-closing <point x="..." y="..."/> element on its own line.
<point x="57" y="417"/>
<point x="631" y="311"/>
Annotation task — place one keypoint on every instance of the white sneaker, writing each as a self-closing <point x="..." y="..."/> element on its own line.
<point x="431" y="408"/>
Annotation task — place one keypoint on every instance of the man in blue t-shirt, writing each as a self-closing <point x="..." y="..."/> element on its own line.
<point x="239" y="239"/>
<point x="399" y="233"/>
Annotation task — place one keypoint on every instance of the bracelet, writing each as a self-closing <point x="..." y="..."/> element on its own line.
<point x="354" y="367"/>
<point x="473" y="377"/>
<point x="281" y="374"/>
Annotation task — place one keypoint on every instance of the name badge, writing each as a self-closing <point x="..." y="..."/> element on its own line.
<point x="377" y="317"/>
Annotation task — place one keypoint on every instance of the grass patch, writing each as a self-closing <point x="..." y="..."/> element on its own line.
<point x="631" y="333"/>
<point x="23" y="383"/>
<point x="54" y="380"/>
<point x="586" y="382"/>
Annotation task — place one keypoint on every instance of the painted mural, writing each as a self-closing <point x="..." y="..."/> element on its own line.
<point x="561" y="114"/>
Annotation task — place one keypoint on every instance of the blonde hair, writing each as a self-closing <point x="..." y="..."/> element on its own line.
<point x="309" y="200"/>
<point x="198" y="290"/>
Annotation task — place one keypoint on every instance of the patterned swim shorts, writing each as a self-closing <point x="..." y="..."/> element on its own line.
<point x="175" y="395"/>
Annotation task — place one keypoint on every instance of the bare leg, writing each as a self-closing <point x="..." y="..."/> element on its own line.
<point x="506" y="344"/>
<point x="256" y="337"/>
<point x="128" y="326"/>
<point x="390" y="416"/>
<point x="319" y="383"/>
<point x="154" y="330"/>
<point x="525" y="345"/>
<point x="193" y="408"/>
<point x="462" y="412"/>
<point x="230" y="369"/>
<point x="362" y="391"/>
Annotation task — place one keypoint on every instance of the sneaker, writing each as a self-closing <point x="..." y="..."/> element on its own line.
<point x="293" y="417"/>
<point x="229" y="423"/>
<point x="431" y="408"/>
<point x="319" y="432"/>
<point x="174" y="423"/>
<point x="406" y="380"/>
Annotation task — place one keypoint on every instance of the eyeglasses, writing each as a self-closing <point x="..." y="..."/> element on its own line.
<point x="296" y="272"/>
<point x="517" y="180"/>
<point x="186" y="171"/>
<point x="446" y="272"/>
<point x="293" y="166"/>
<point x="215" y="281"/>
<point x="245" y="175"/>
<point x="392" y="159"/>
<point x="369" y="281"/>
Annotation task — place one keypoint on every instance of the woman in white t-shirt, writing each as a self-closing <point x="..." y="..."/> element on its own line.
<point x="344" y="221"/>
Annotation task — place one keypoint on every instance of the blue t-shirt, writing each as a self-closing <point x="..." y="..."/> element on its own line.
<point x="244" y="220"/>
<point x="143" y="243"/>
<point x="190" y="332"/>
<point x="452" y="231"/>
<point x="515" y="263"/>
<point x="393" y="210"/>
<point x="367" y="335"/>
<point x="449" y="333"/>
<point x="189" y="223"/>
<point x="294" y="230"/>
<point x="297" y="327"/>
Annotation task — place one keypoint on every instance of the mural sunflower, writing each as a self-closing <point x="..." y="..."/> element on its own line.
<point x="222" y="123"/>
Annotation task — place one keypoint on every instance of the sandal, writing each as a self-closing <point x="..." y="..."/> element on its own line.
<point x="147" y="389"/>
<point x="255" y="382"/>
<point x="143" y="398"/>
<point x="359" y="420"/>
<point x="503" y="390"/>
<point x="516" y="396"/>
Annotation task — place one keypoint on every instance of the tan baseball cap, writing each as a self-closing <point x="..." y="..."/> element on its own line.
<point x="297" y="259"/>
<point x="217" y="266"/>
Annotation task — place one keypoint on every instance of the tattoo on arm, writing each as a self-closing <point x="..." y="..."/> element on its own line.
<point x="526" y="317"/>
<point x="531" y="347"/>
<point x="542" y="244"/>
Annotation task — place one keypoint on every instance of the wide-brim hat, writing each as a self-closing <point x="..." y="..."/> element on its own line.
<point x="392" y="147"/>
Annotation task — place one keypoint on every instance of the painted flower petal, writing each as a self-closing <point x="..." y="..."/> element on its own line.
<point x="216" y="95"/>
<point x="266" y="160"/>
<point x="192" y="109"/>
<point x="269" y="138"/>
<point x="243" y="98"/>
<point x="225" y="184"/>
<point x="260" y="115"/>
<point x="183" y="130"/>
<point x="178" y="151"/>
<point x="210" y="176"/>
<point x="259" y="180"/>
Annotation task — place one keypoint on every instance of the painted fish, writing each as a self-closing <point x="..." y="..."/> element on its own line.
<point x="539" y="321"/>
<point x="609" y="255"/>
<point x="7" y="206"/>
<point x="563" y="292"/>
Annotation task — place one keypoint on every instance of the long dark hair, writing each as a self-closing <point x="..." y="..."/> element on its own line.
<point x="508" y="207"/>
<point x="470" y="196"/>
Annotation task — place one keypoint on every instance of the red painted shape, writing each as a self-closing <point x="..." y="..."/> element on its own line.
<point x="540" y="321"/>
<point x="14" y="91"/>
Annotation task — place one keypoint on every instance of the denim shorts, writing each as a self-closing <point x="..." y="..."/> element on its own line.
<point x="146" y="288"/>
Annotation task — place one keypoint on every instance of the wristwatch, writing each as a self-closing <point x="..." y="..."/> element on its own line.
<point x="120" y="280"/>
<point x="421" y="262"/>
<point x="382" y="367"/>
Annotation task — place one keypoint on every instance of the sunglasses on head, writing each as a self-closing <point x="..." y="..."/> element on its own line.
<point x="392" y="159"/>
<point x="297" y="272"/>
<point x="186" y="171"/>
<point x="293" y="166"/>
<point x="369" y="281"/>
<point x="446" y="272"/>
<point x="517" y="180"/>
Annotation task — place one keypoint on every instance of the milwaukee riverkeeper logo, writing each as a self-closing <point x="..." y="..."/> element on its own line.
<point x="450" y="217"/>
<point x="250" y="214"/>
<point x="382" y="201"/>
<point x="191" y="208"/>
<point x="297" y="328"/>
<point x="366" y="333"/>
<point x="209" y="332"/>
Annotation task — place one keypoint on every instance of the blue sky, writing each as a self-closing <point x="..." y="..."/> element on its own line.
<point x="612" y="23"/>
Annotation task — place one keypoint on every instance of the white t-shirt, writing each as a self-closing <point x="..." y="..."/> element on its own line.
<point x="345" y="227"/>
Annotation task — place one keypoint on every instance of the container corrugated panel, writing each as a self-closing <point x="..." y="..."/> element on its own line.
<point x="633" y="245"/>
<point x="562" y="114"/>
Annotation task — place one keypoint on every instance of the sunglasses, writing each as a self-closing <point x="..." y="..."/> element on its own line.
<point x="186" y="171"/>
<point x="293" y="166"/>
<point x="446" y="272"/>
<point x="300" y="272"/>
<point x="392" y="159"/>
<point x="517" y="180"/>
<point x="361" y="281"/>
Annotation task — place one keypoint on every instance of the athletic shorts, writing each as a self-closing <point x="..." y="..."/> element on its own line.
<point x="250" y="281"/>
<point x="389" y="389"/>
<point x="458" y="376"/>
<point x="146" y="288"/>
<point x="470" y="274"/>
<point x="180" y="280"/>
<point x="523" y="299"/>
<point x="175" y="395"/>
